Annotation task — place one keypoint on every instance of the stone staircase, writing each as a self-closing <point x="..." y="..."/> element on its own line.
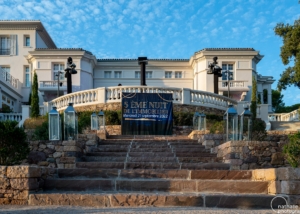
<point x="152" y="172"/>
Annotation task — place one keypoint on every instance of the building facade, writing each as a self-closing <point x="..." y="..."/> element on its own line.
<point x="26" y="47"/>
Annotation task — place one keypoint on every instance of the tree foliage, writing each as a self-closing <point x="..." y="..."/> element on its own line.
<point x="277" y="101"/>
<point x="35" y="108"/>
<point x="253" y="99"/>
<point x="290" y="51"/>
<point x="13" y="145"/>
<point x="292" y="150"/>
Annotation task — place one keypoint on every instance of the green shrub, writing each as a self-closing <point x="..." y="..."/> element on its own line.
<point x="84" y="120"/>
<point x="41" y="132"/>
<point x="292" y="150"/>
<point x="215" y="127"/>
<point x="112" y="117"/>
<point x="13" y="145"/>
<point x="259" y="132"/>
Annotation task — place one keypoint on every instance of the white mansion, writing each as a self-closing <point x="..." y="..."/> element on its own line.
<point x="26" y="47"/>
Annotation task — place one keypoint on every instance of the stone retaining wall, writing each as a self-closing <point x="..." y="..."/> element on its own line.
<point x="16" y="182"/>
<point x="60" y="154"/>
<point x="281" y="181"/>
<point x="117" y="106"/>
<point x="177" y="130"/>
<point x="251" y="154"/>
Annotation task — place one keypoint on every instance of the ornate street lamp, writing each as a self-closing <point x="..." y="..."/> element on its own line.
<point x="70" y="123"/>
<point x="54" y="125"/>
<point x="94" y="122"/>
<point x="231" y="123"/>
<point x="101" y="118"/>
<point x="245" y="124"/>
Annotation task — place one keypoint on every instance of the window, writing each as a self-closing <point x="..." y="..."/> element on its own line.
<point x="8" y="44"/>
<point x="4" y="45"/>
<point x="178" y="74"/>
<point x="57" y="69"/>
<point x="137" y="75"/>
<point x="168" y="74"/>
<point x="107" y="74"/>
<point x="27" y="79"/>
<point x="27" y="41"/>
<point x="227" y="69"/>
<point x="148" y="74"/>
<point x="118" y="74"/>
<point x="6" y="73"/>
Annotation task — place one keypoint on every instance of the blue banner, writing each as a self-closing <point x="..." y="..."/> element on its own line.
<point x="147" y="114"/>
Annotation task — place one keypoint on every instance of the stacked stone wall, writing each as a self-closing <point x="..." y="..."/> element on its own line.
<point x="251" y="154"/>
<point x="117" y="106"/>
<point x="16" y="182"/>
<point x="283" y="181"/>
<point x="60" y="154"/>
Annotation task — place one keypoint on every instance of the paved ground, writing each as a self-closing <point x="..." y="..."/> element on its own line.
<point x="74" y="210"/>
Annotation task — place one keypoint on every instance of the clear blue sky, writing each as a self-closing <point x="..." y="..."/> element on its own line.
<point x="163" y="28"/>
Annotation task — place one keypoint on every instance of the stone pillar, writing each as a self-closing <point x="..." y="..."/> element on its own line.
<point x="101" y="95"/>
<point x="186" y="96"/>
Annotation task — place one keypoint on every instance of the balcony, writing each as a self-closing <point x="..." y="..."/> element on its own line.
<point x="4" y="51"/>
<point x="234" y="85"/>
<point x="52" y="85"/>
<point x="8" y="78"/>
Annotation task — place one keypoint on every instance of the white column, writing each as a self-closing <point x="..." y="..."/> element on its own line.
<point x="270" y="100"/>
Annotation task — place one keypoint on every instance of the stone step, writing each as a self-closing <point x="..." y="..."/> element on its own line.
<point x="107" y="154"/>
<point x="194" y="154"/>
<point x="199" y="159"/>
<point x="106" y="149"/>
<point x="137" y="146"/>
<point x="128" y="159"/>
<point x="103" y="159"/>
<point x="114" y="142"/>
<point x="157" y="185"/>
<point x="131" y="154"/>
<point x="150" y="173"/>
<point x="151" y="150"/>
<point x="191" y="149"/>
<point x="132" y="199"/>
<point x="151" y="165"/>
<point x="187" y="146"/>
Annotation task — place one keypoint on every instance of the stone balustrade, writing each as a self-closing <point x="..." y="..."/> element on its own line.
<point x="291" y="116"/>
<point x="113" y="94"/>
<point x="11" y="116"/>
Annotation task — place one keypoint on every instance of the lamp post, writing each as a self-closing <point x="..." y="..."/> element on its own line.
<point x="68" y="74"/>
<point x="58" y="83"/>
<point x="54" y="125"/>
<point x="70" y="123"/>
<point x="214" y="69"/>
<point x="199" y="121"/>
<point x="231" y="123"/>
<point x="245" y="124"/>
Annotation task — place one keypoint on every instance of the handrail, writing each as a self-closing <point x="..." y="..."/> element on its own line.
<point x="113" y="94"/>
<point x="290" y="116"/>
<point x="7" y="77"/>
<point x="11" y="116"/>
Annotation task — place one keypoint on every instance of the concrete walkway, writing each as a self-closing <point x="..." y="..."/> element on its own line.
<point x="74" y="210"/>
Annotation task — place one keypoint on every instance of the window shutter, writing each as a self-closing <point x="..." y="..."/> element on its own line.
<point x="13" y="44"/>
